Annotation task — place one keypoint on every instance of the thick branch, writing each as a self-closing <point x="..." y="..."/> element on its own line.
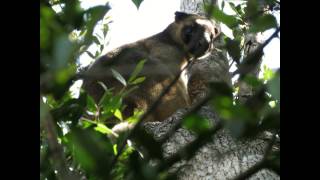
<point x="55" y="149"/>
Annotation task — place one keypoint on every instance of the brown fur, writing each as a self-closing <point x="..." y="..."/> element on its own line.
<point x="165" y="53"/>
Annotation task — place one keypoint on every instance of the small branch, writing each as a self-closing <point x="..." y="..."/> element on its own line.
<point x="242" y="68"/>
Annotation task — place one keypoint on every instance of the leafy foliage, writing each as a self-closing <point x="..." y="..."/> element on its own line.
<point x="82" y="128"/>
<point x="137" y="2"/>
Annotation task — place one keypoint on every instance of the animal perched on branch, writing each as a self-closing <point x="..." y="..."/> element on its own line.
<point x="189" y="37"/>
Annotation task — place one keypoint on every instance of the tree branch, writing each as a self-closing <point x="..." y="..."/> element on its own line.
<point x="248" y="62"/>
<point x="260" y="165"/>
<point x="189" y="150"/>
<point x="56" y="152"/>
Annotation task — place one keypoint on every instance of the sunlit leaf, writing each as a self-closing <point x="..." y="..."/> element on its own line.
<point x="138" y="80"/>
<point x="229" y="20"/>
<point x="263" y="23"/>
<point x="135" y="117"/>
<point x="119" y="77"/>
<point x="137" y="70"/>
<point x="267" y="73"/>
<point x="103" y="85"/>
<point x="117" y="113"/>
<point x="196" y="123"/>
<point x="103" y="129"/>
<point x="115" y="150"/>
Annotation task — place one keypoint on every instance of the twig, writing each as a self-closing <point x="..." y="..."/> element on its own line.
<point x="242" y="68"/>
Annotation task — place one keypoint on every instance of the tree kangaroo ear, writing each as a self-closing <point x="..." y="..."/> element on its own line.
<point x="180" y="15"/>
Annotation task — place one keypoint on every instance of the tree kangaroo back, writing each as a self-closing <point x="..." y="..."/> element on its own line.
<point x="166" y="53"/>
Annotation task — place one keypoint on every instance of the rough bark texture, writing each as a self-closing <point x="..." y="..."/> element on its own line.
<point x="245" y="90"/>
<point x="223" y="157"/>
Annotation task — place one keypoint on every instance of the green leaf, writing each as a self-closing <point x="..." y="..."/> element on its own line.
<point x="90" y="54"/>
<point x="233" y="48"/>
<point x="95" y="40"/>
<point x="91" y="105"/>
<point x="92" y="150"/>
<point x="222" y="5"/>
<point x="274" y="87"/>
<point x="137" y="70"/>
<point x="135" y="117"/>
<point x="119" y="77"/>
<point x="127" y="92"/>
<point x="99" y="37"/>
<point x="87" y="123"/>
<point x="103" y="129"/>
<point x="101" y="47"/>
<point x="236" y="9"/>
<point x="103" y="85"/>
<point x="97" y="54"/>
<point x="105" y="29"/>
<point x="138" y="80"/>
<point x="71" y="110"/>
<point x="267" y="73"/>
<point x="94" y="14"/>
<point x="196" y="123"/>
<point x="228" y="20"/>
<point x="251" y="9"/>
<point x="105" y="98"/>
<point x="263" y="23"/>
<point x="233" y="6"/>
<point x="252" y="81"/>
<point x="137" y="3"/>
<point x="117" y="113"/>
<point x="110" y="106"/>
<point x="115" y="150"/>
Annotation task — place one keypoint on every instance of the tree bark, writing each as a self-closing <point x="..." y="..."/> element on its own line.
<point x="223" y="157"/>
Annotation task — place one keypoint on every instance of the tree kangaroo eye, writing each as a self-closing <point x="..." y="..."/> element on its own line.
<point x="188" y="33"/>
<point x="189" y="30"/>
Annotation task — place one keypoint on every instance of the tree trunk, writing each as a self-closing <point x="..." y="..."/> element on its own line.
<point x="223" y="157"/>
